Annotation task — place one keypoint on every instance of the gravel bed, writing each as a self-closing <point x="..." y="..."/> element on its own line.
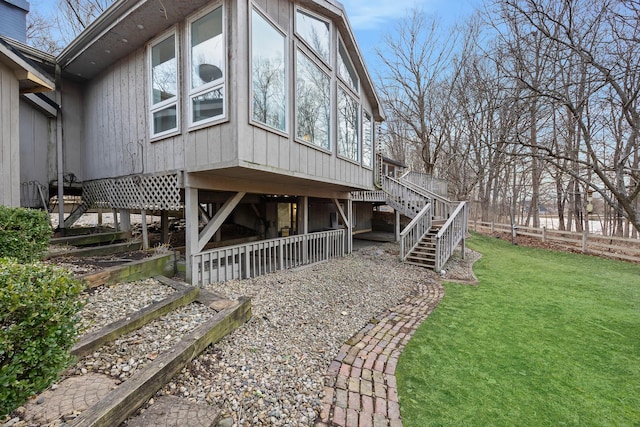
<point x="270" y="371"/>
<point x="134" y="350"/>
<point x="106" y="304"/>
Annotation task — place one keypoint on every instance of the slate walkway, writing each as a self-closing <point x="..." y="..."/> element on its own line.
<point x="360" y="384"/>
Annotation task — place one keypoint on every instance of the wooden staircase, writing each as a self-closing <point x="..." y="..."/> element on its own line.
<point x="424" y="253"/>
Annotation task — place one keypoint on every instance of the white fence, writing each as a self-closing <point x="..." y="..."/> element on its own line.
<point x="266" y="256"/>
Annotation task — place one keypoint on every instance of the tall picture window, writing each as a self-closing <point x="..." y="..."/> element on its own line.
<point x="313" y="103"/>
<point x="316" y="34"/>
<point x="268" y="73"/>
<point x="347" y="126"/>
<point x="367" y="140"/>
<point x="207" y="65"/>
<point x="346" y="70"/>
<point x="164" y="86"/>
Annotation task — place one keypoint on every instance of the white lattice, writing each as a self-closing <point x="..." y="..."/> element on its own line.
<point x="151" y="192"/>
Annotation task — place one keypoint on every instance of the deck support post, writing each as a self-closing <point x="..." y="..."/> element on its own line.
<point x="303" y="215"/>
<point x="125" y="219"/>
<point x="396" y="225"/>
<point x="191" y="232"/>
<point x="145" y="231"/>
<point x="116" y="224"/>
<point x="164" y="225"/>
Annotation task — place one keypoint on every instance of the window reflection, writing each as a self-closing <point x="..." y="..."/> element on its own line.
<point x="268" y="73"/>
<point x="164" y="70"/>
<point x="208" y="105"/>
<point x="347" y="126"/>
<point x="367" y="140"/>
<point x="345" y="68"/>
<point x="315" y="32"/>
<point x="313" y="103"/>
<point x="207" y="63"/>
<point x="164" y="86"/>
<point x="207" y="49"/>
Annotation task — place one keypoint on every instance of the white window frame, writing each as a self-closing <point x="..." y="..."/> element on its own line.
<point x="287" y="67"/>
<point x="211" y="86"/>
<point x="154" y="108"/>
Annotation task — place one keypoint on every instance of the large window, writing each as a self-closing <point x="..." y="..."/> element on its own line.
<point x="367" y="140"/>
<point x="164" y="86"/>
<point x="347" y="126"/>
<point x="268" y="74"/>
<point x="346" y="70"/>
<point x="207" y="64"/>
<point x="313" y="103"/>
<point x="315" y="32"/>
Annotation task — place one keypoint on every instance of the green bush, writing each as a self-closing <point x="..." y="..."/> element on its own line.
<point x="38" y="307"/>
<point x="24" y="233"/>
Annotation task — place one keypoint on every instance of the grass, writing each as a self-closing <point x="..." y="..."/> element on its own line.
<point x="547" y="338"/>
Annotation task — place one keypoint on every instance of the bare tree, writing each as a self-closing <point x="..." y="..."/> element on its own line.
<point x="592" y="75"/>
<point x="417" y="60"/>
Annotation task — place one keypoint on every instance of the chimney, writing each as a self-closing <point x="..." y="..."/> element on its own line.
<point x="13" y="19"/>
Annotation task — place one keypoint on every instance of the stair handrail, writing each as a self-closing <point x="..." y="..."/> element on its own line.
<point x="442" y="207"/>
<point x="411" y="235"/>
<point x="404" y="203"/>
<point x="451" y="234"/>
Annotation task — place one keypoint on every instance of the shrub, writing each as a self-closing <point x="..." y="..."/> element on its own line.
<point x="24" y="233"/>
<point x="38" y="305"/>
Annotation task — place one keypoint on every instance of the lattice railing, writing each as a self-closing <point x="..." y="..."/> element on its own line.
<point x="151" y="192"/>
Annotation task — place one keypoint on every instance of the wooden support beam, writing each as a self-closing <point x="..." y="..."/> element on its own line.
<point x="145" y="231"/>
<point x="191" y="232"/>
<point x="164" y="225"/>
<point x="345" y="220"/>
<point x="350" y="226"/>
<point x="159" y="265"/>
<point x="91" y="239"/>
<point x="216" y="222"/>
<point x="303" y="212"/>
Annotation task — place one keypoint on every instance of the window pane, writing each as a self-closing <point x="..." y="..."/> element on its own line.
<point x="207" y="49"/>
<point x="315" y="32"/>
<point x="346" y="70"/>
<point x="165" y="120"/>
<point x="208" y="105"/>
<point x="164" y="70"/>
<point x="367" y="140"/>
<point x="347" y="126"/>
<point x="268" y="74"/>
<point x="313" y="103"/>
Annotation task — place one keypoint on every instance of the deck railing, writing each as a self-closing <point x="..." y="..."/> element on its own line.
<point x="451" y="234"/>
<point x="414" y="231"/>
<point x="369" y="196"/>
<point x="423" y="180"/>
<point x="266" y="256"/>
<point x="441" y="205"/>
<point x="403" y="198"/>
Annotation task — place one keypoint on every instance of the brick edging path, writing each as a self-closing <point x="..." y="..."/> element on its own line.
<point x="360" y="384"/>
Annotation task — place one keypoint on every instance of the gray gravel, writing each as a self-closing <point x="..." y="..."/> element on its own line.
<point x="270" y="371"/>
<point x="107" y="304"/>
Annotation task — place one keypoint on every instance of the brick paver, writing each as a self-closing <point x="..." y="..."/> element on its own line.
<point x="360" y="384"/>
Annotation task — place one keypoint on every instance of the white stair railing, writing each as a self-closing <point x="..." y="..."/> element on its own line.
<point x="403" y="198"/>
<point x="415" y="231"/>
<point x="451" y="234"/>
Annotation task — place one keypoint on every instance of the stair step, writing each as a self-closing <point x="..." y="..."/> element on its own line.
<point x="420" y="264"/>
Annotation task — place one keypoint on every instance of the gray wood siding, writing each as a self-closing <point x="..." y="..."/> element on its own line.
<point x="36" y="149"/>
<point x="9" y="138"/>
<point x="73" y="124"/>
<point x="116" y="118"/>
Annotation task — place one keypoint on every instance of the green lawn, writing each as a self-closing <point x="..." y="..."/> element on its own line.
<point x="546" y="339"/>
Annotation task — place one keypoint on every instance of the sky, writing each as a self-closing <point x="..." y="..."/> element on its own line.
<point x="371" y="20"/>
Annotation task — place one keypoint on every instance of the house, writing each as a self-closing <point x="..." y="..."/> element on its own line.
<point x="260" y="113"/>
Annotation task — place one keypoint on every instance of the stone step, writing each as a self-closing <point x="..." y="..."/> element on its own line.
<point x="172" y="411"/>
